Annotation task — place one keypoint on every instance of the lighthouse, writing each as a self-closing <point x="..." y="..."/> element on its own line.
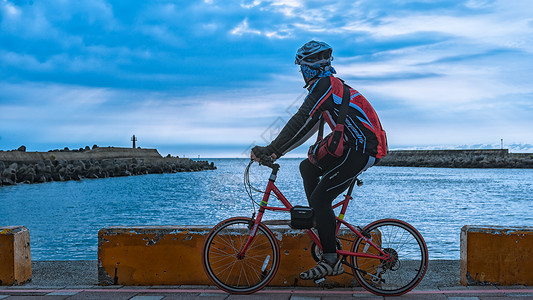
<point x="133" y="139"/>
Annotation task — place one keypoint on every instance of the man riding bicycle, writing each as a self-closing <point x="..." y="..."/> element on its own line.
<point x="363" y="143"/>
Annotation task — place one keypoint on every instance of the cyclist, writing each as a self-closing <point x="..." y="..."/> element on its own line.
<point x="364" y="144"/>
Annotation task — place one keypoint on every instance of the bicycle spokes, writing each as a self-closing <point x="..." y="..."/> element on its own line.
<point x="403" y="258"/>
<point x="240" y="273"/>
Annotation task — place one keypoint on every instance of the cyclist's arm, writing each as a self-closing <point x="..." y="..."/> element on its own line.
<point x="304" y="138"/>
<point x="304" y="123"/>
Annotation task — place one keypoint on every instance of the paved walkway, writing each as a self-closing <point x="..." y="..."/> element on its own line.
<point x="74" y="280"/>
<point x="206" y="292"/>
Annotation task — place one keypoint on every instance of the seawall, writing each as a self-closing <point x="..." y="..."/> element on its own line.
<point x="489" y="158"/>
<point x="97" y="153"/>
<point x="36" y="167"/>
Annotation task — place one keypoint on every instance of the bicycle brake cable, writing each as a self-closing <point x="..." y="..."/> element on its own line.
<point x="247" y="184"/>
<point x="250" y="188"/>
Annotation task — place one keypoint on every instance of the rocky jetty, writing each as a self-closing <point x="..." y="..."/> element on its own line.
<point x="490" y="158"/>
<point x="19" y="166"/>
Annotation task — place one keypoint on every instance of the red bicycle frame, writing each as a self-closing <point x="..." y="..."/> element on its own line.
<point x="271" y="187"/>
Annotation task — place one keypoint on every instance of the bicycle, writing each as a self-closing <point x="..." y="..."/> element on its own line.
<point x="388" y="257"/>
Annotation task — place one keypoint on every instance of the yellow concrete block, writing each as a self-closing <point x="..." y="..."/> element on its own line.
<point x="172" y="255"/>
<point x="151" y="255"/>
<point x="15" y="257"/>
<point x="496" y="255"/>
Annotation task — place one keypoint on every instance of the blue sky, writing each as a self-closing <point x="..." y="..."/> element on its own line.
<point x="214" y="77"/>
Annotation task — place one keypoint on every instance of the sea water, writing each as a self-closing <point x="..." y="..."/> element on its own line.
<point x="64" y="217"/>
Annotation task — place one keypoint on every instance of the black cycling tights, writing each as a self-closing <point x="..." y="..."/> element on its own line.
<point x="322" y="186"/>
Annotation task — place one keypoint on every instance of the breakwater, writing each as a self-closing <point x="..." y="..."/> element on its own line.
<point x="489" y="158"/>
<point x="19" y="166"/>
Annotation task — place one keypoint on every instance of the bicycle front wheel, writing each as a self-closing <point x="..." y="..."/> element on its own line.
<point x="240" y="275"/>
<point x="407" y="263"/>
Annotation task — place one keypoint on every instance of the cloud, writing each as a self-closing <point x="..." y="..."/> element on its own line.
<point x="10" y="10"/>
<point x="71" y="115"/>
<point x="491" y="30"/>
<point x="286" y="7"/>
<point x="250" y="4"/>
<point x="244" y="28"/>
<point x="222" y="72"/>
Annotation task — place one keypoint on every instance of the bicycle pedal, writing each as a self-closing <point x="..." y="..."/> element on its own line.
<point x="320" y="280"/>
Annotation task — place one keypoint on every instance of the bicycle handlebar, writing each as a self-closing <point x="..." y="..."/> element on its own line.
<point x="268" y="161"/>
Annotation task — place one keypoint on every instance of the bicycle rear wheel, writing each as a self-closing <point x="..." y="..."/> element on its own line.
<point x="408" y="258"/>
<point x="226" y="270"/>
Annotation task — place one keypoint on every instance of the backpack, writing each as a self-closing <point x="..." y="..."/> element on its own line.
<point x="375" y="125"/>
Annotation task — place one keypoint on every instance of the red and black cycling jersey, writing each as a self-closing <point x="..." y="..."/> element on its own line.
<point x="363" y="130"/>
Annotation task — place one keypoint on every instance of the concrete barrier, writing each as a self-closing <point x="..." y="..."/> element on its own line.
<point x="15" y="258"/>
<point x="496" y="255"/>
<point x="172" y="255"/>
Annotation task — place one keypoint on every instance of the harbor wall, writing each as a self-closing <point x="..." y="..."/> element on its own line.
<point x="97" y="153"/>
<point x="38" y="167"/>
<point x="483" y="158"/>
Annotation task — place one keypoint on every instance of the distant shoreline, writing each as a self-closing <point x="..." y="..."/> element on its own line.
<point x="468" y="159"/>
<point x="19" y="166"/>
<point x="486" y="158"/>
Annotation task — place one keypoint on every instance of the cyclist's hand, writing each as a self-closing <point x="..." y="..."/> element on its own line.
<point x="259" y="153"/>
<point x="253" y="157"/>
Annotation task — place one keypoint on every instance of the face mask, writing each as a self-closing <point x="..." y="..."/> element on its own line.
<point x="310" y="73"/>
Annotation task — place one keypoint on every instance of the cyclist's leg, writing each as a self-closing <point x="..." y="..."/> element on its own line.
<point x="311" y="173"/>
<point x="335" y="180"/>
<point x="337" y="177"/>
<point x="310" y="176"/>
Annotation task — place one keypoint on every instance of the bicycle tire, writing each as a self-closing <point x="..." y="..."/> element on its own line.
<point x="234" y="275"/>
<point x="403" y="271"/>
